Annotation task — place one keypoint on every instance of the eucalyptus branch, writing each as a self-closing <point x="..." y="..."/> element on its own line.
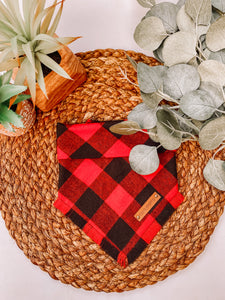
<point x="124" y="73"/>
<point x="147" y="132"/>
<point x="170" y="126"/>
<point x="166" y="97"/>
<point x="218" y="11"/>
<point x="201" y="53"/>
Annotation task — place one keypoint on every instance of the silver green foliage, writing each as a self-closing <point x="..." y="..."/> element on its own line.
<point x="185" y="99"/>
<point x="214" y="173"/>
<point x="144" y="159"/>
<point x="180" y="79"/>
<point x="166" y="12"/>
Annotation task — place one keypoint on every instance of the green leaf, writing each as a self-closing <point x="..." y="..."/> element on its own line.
<point x="51" y="64"/>
<point x="150" y="78"/>
<point x="185" y="122"/>
<point x="214" y="173"/>
<point x="47" y="20"/>
<point x="146" y="3"/>
<point x="185" y="23"/>
<point x="5" y="78"/>
<point x="168" y="130"/>
<point x="199" y="105"/>
<point x="153" y="134"/>
<point x="150" y="33"/>
<point x="132" y="61"/>
<point x="6" y="125"/>
<point x="144" y="159"/>
<point x="10" y="116"/>
<point x="219" y="56"/>
<point x="30" y="77"/>
<point x="199" y="10"/>
<point x="166" y="12"/>
<point x="28" y="50"/>
<point x="219" y="4"/>
<point x="125" y="128"/>
<point x="179" y="48"/>
<point x="144" y="116"/>
<point x="55" y="22"/>
<point x="212" y="134"/>
<point x="215" y="37"/>
<point x="180" y="3"/>
<point x="9" y="65"/>
<point x="21" y="98"/>
<point x="215" y="92"/>
<point x="40" y="78"/>
<point x="152" y="100"/>
<point x="158" y="52"/>
<point x="212" y="71"/>
<point x="13" y="6"/>
<point x="179" y="80"/>
<point x="9" y="90"/>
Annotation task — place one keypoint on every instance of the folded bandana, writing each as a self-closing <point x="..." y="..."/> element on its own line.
<point x="117" y="208"/>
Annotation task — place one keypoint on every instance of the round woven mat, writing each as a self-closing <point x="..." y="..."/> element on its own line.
<point x="29" y="175"/>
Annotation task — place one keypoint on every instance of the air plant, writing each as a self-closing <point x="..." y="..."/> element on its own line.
<point x="27" y="37"/>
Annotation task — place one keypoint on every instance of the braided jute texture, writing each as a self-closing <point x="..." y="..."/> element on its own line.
<point x="29" y="177"/>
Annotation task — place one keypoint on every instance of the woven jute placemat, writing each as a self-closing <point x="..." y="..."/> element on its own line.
<point x="28" y="188"/>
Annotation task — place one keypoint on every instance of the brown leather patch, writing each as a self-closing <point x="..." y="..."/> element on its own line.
<point x="147" y="206"/>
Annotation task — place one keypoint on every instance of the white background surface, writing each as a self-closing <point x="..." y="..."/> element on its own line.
<point x="109" y="24"/>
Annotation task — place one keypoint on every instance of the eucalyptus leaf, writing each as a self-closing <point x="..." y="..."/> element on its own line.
<point x="180" y="79"/>
<point x="199" y="10"/>
<point x="153" y="134"/>
<point x="166" y="12"/>
<point x="215" y="16"/>
<point x="212" y="71"/>
<point x="219" y="4"/>
<point x="125" y="128"/>
<point x="150" y="33"/>
<point x="185" y="123"/>
<point x="144" y="159"/>
<point x="219" y="56"/>
<point x="180" y="3"/>
<point x="152" y="100"/>
<point x="179" y="48"/>
<point x="146" y="3"/>
<point x="215" y="37"/>
<point x="150" y="78"/>
<point x="215" y="92"/>
<point x="144" y="116"/>
<point x="168" y="130"/>
<point x="185" y="23"/>
<point x="212" y="134"/>
<point x="132" y="61"/>
<point x="214" y="173"/>
<point x="158" y="52"/>
<point x="198" y="105"/>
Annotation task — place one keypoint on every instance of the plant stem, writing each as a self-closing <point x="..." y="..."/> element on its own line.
<point x="166" y="97"/>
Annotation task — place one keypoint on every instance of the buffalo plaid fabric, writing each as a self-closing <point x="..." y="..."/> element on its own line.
<point x="101" y="194"/>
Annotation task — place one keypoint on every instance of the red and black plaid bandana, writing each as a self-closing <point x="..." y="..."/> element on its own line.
<point x="117" y="208"/>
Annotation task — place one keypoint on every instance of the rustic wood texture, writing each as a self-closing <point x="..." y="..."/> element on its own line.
<point x="58" y="87"/>
<point x="28" y="189"/>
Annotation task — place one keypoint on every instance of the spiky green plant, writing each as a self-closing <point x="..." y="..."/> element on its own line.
<point x="8" y="92"/>
<point x="27" y="36"/>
